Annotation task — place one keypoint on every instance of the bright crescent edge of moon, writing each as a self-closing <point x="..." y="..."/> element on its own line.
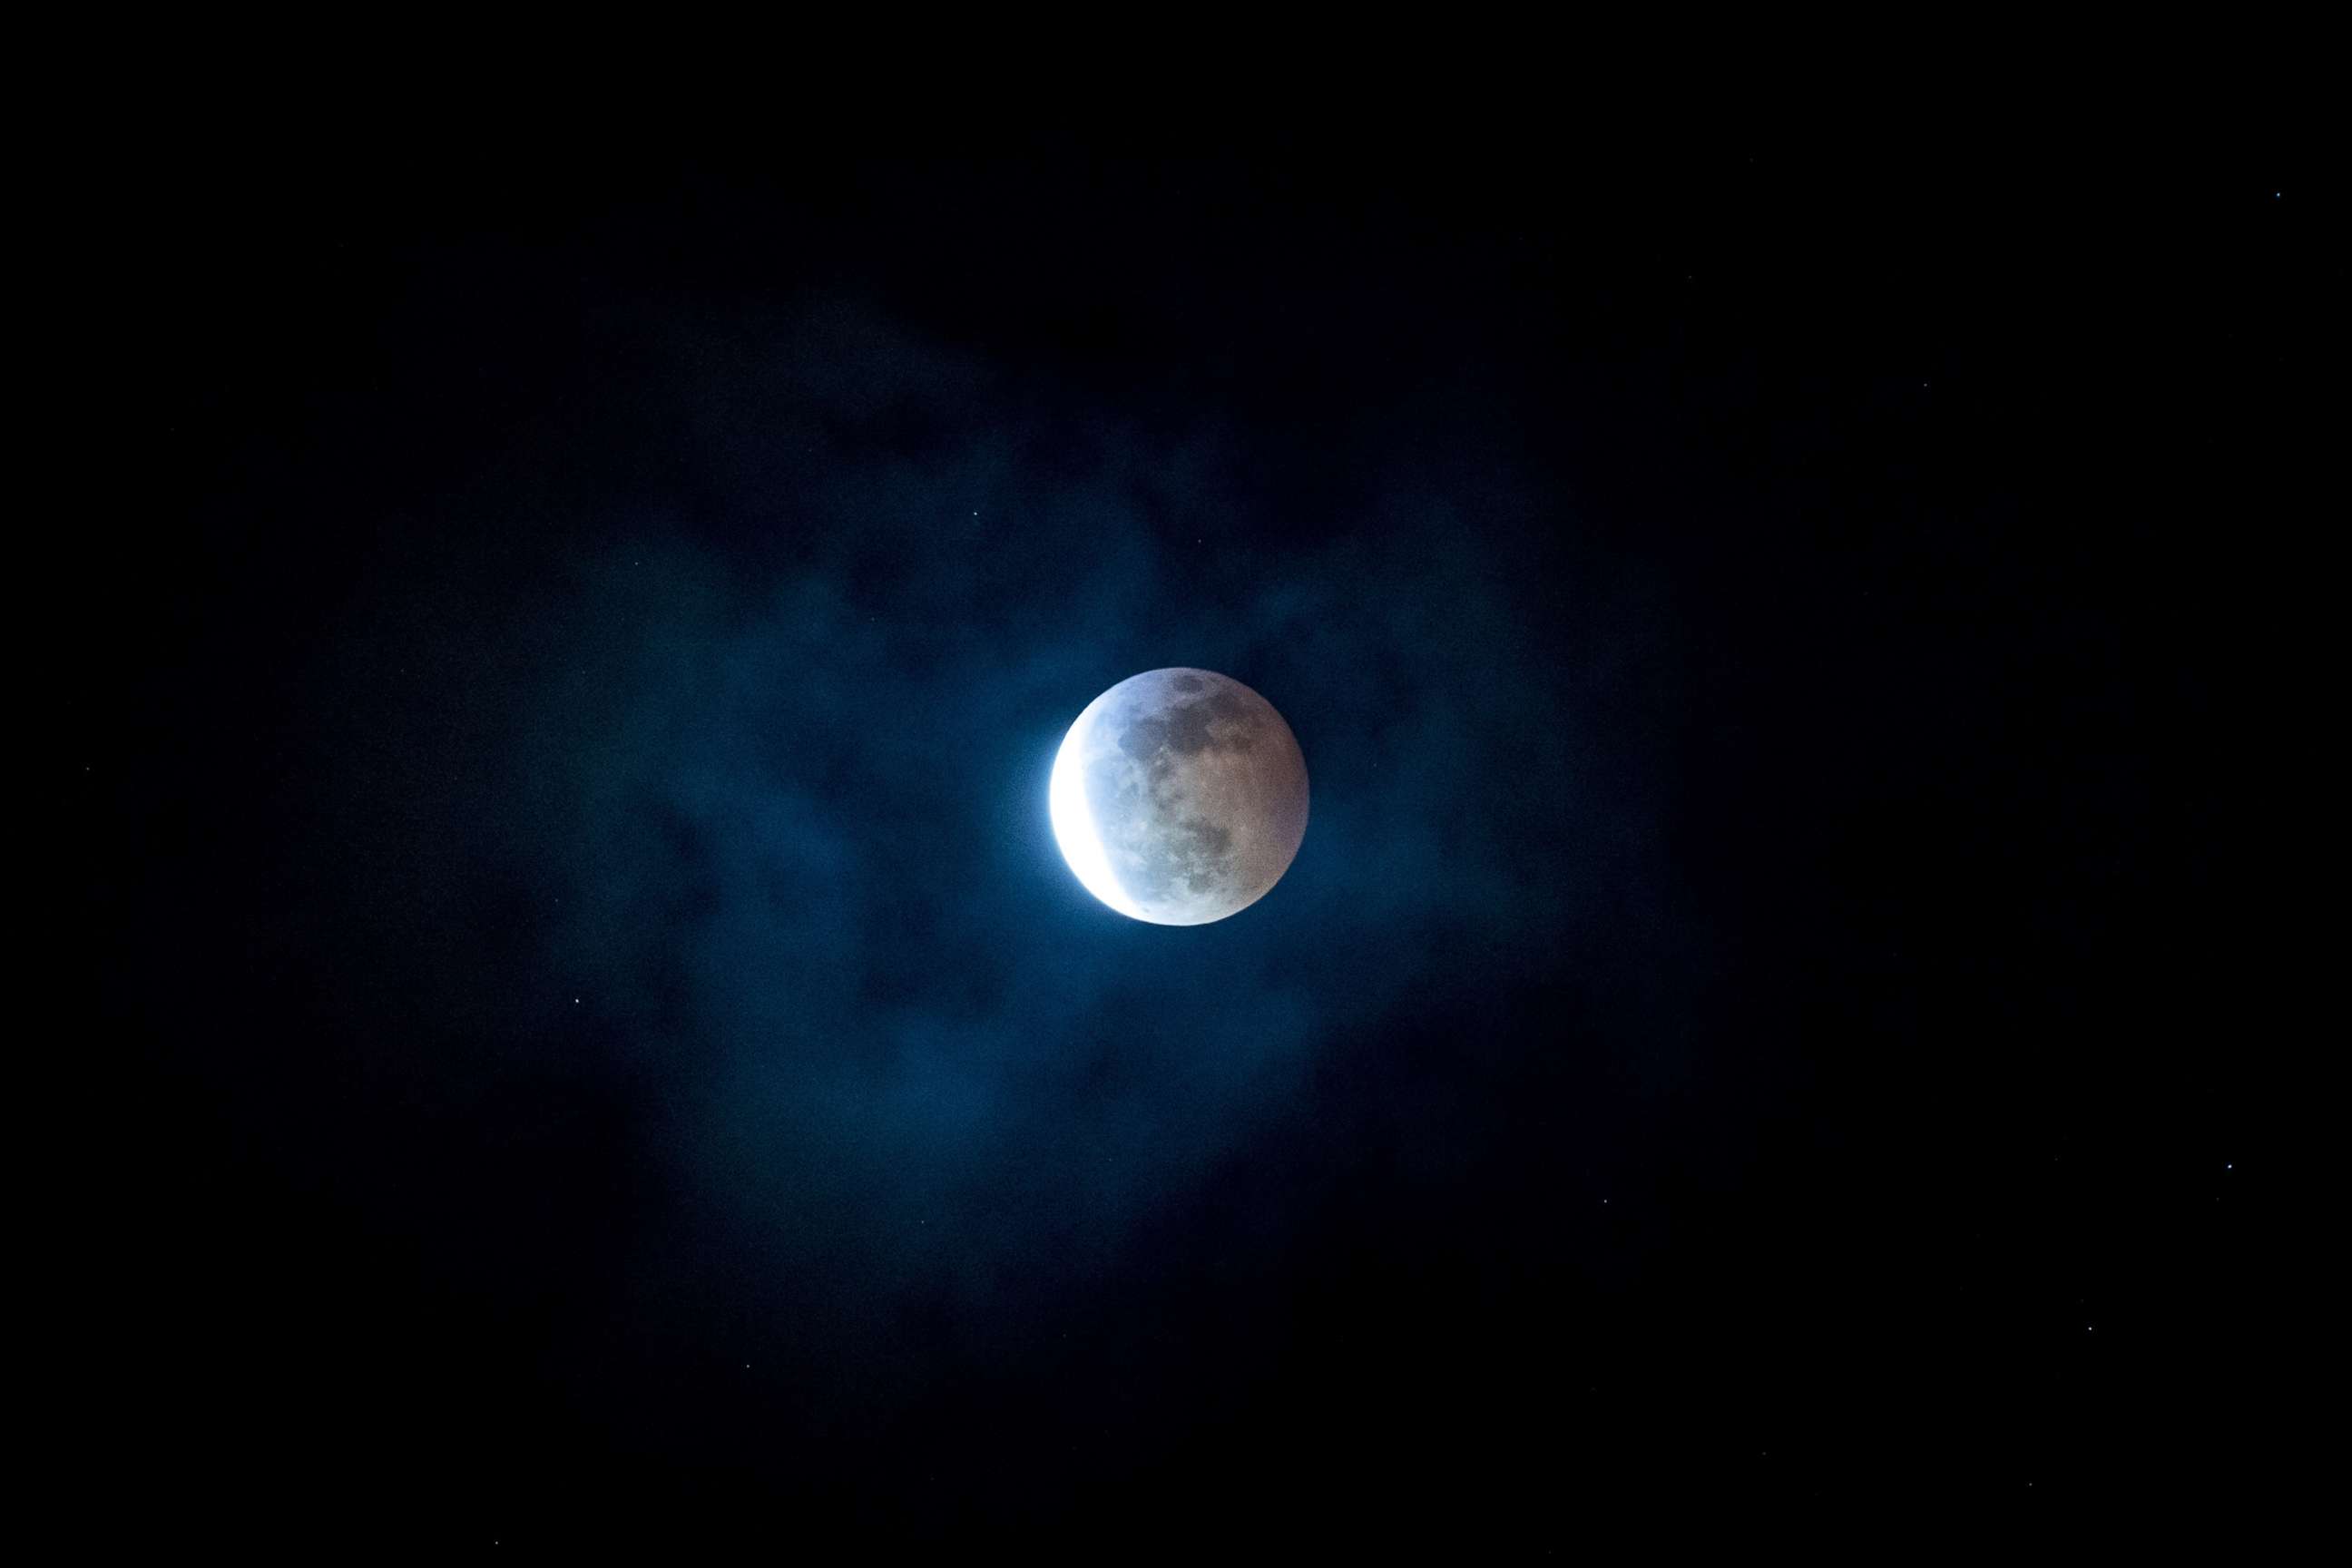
<point x="1074" y="820"/>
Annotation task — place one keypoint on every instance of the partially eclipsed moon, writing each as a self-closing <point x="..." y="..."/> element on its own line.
<point x="1179" y="797"/>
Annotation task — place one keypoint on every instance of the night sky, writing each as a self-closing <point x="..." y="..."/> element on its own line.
<point x="1770" y="1018"/>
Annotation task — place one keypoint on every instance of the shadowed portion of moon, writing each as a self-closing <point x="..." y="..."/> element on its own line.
<point x="1180" y="796"/>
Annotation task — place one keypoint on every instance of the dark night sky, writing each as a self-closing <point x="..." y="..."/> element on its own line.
<point x="1768" y="1013"/>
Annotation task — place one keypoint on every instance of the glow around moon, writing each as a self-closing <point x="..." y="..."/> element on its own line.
<point x="1178" y="796"/>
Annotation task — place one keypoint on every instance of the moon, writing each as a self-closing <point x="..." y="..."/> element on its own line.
<point x="1178" y="796"/>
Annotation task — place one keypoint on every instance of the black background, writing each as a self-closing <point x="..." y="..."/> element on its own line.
<point x="1771" y="1013"/>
